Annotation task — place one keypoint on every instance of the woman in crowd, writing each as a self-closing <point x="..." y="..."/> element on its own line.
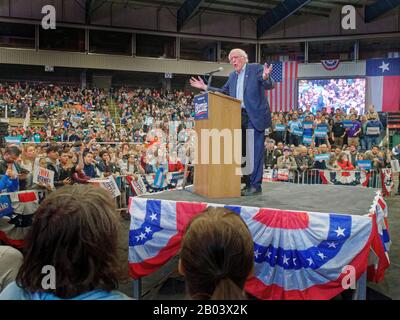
<point x="133" y="166"/>
<point x="332" y="164"/>
<point x="343" y="162"/>
<point x="371" y="112"/>
<point x="360" y="157"/>
<point x="28" y="157"/>
<point x="75" y="235"/>
<point x="218" y="268"/>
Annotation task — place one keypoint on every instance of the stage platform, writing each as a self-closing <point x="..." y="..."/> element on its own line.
<point x="288" y="196"/>
<point x="285" y="196"/>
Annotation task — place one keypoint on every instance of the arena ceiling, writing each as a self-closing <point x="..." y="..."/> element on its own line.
<point x="267" y="13"/>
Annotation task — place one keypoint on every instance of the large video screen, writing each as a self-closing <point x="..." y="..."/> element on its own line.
<point x="332" y="93"/>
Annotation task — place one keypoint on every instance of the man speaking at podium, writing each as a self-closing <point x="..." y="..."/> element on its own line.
<point x="248" y="83"/>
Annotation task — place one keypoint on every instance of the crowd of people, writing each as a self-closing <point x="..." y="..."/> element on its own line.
<point x="75" y="232"/>
<point x="332" y="94"/>
<point x="81" y="140"/>
<point x="71" y="114"/>
<point x="335" y="127"/>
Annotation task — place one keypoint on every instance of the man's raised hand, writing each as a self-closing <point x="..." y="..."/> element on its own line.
<point x="198" y="83"/>
<point x="267" y="71"/>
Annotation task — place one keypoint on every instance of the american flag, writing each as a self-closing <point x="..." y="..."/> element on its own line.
<point x="16" y="214"/>
<point x="297" y="255"/>
<point x="283" y="96"/>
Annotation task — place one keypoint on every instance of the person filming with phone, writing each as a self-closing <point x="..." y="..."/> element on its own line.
<point x="10" y="161"/>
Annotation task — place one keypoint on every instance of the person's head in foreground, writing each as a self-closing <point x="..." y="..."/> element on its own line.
<point x="217" y="255"/>
<point x="75" y="232"/>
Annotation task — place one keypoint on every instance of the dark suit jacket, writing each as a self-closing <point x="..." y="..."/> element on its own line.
<point x="254" y="96"/>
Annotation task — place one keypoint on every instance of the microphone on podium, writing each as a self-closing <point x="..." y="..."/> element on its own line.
<point x="215" y="71"/>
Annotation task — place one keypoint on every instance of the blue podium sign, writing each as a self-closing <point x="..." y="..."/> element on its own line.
<point x="201" y="107"/>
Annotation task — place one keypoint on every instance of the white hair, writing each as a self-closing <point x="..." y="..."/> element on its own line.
<point x="241" y="52"/>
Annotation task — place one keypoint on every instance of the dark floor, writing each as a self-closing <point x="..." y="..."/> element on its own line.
<point x="289" y="196"/>
<point x="167" y="284"/>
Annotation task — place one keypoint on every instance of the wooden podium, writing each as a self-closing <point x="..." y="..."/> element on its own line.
<point x="218" y="179"/>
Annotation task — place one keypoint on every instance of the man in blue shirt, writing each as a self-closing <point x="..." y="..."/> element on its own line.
<point x="248" y="83"/>
<point x="294" y="124"/>
<point x="373" y="131"/>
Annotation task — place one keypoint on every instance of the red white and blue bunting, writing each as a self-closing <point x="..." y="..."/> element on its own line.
<point x="330" y="65"/>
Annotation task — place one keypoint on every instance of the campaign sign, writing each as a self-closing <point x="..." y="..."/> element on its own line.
<point x="308" y="125"/>
<point x="373" y="131"/>
<point x="348" y="124"/>
<point x="307" y="140"/>
<point x="5" y="205"/>
<point x="201" y="107"/>
<point x="108" y="184"/>
<point x="321" y="132"/>
<point x="13" y="140"/>
<point x="43" y="176"/>
<point x="364" y="164"/>
<point x="298" y="132"/>
<point x="139" y="186"/>
<point x="321" y="157"/>
<point x="268" y="175"/>
<point x="280" y="127"/>
<point x="283" y="175"/>
<point x="175" y="178"/>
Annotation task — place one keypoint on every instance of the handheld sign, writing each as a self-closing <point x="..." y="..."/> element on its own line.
<point x="321" y="132"/>
<point x="307" y="140"/>
<point x="364" y="164"/>
<point x="308" y="125"/>
<point x="372" y="131"/>
<point x="139" y="186"/>
<point x="348" y="124"/>
<point x="268" y="175"/>
<point x="298" y="132"/>
<point x="13" y="140"/>
<point x="109" y="184"/>
<point x="283" y="174"/>
<point x="280" y="127"/>
<point x="43" y="176"/>
<point x="175" y="178"/>
<point x="5" y="205"/>
<point x="321" y="157"/>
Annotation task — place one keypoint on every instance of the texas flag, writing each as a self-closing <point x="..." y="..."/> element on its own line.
<point x="383" y="84"/>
